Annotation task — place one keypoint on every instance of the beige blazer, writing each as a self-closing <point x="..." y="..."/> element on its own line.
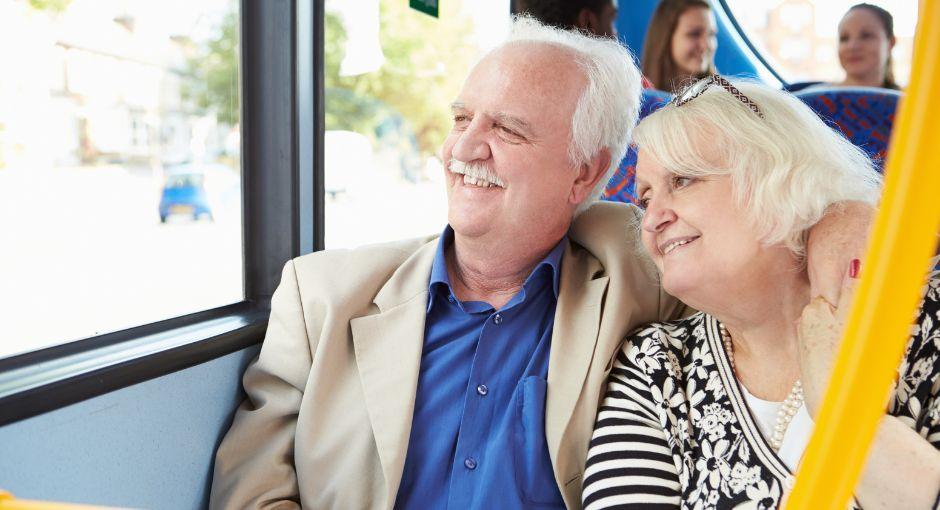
<point x="331" y="396"/>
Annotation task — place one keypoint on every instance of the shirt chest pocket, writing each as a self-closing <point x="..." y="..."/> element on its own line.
<point x="535" y="477"/>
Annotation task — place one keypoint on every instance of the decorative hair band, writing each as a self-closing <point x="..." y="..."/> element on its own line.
<point x="698" y="88"/>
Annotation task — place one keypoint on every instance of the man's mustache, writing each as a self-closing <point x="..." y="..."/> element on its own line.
<point x="475" y="170"/>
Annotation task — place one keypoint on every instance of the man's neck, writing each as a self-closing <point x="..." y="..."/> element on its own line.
<point x="479" y="271"/>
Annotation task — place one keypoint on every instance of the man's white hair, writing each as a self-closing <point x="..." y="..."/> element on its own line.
<point x="610" y="104"/>
<point x="786" y="169"/>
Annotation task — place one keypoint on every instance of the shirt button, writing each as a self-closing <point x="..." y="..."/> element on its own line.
<point x="451" y="298"/>
<point x="470" y="463"/>
<point x="482" y="390"/>
<point x="498" y="319"/>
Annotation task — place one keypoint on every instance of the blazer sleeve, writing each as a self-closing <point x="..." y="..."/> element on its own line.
<point x="254" y="466"/>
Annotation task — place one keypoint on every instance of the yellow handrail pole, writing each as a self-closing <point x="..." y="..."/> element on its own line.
<point x="8" y="502"/>
<point x="878" y="328"/>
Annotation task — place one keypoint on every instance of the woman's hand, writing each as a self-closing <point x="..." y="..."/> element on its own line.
<point x="819" y="332"/>
<point x="902" y="469"/>
<point x="840" y="236"/>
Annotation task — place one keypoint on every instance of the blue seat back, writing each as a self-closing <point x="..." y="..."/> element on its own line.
<point x="800" y="85"/>
<point x="864" y="115"/>
<point x="622" y="185"/>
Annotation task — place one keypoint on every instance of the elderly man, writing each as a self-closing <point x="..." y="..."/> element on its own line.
<point x="463" y="371"/>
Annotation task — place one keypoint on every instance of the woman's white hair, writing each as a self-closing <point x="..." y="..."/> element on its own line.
<point x="610" y="104"/>
<point x="786" y="169"/>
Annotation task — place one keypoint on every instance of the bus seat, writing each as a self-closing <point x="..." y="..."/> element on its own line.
<point x="801" y="85"/>
<point x="622" y="185"/>
<point x="864" y="115"/>
<point x="653" y="100"/>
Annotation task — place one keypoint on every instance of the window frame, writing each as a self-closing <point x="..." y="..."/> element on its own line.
<point x="754" y="52"/>
<point x="281" y="84"/>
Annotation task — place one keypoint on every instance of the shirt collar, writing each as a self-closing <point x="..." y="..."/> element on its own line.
<point x="440" y="278"/>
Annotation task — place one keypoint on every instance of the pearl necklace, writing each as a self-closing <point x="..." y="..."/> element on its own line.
<point x="788" y="408"/>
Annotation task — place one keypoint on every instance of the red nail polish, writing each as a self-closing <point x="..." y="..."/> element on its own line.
<point x="854" y="266"/>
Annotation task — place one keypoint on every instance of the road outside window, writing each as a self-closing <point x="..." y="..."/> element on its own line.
<point x="120" y="199"/>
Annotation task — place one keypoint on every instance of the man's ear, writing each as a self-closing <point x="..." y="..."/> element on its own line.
<point x="589" y="174"/>
<point x="587" y="20"/>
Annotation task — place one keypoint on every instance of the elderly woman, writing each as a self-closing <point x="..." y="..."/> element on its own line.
<point x="715" y="411"/>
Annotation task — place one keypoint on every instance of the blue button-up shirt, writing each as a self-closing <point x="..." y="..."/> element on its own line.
<point x="478" y="433"/>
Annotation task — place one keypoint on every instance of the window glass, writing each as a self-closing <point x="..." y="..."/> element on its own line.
<point x="391" y="74"/>
<point x="120" y="199"/>
<point x="800" y="37"/>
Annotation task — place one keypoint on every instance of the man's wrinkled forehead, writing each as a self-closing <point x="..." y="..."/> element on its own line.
<point x="537" y="57"/>
<point x="525" y="71"/>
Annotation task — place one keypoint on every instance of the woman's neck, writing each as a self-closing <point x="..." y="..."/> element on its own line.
<point x="873" y="79"/>
<point x="762" y="326"/>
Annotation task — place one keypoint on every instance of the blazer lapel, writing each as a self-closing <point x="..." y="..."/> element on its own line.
<point x="388" y="347"/>
<point x="574" y="336"/>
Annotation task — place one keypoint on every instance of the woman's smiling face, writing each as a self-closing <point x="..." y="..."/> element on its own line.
<point x="694" y="231"/>
<point x="864" y="46"/>
<point x="694" y="40"/>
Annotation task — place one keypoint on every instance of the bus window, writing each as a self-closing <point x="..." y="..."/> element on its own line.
<point x="120" y="195"/>
<point x="391" y="73"/>
<point x="800" y="38"/>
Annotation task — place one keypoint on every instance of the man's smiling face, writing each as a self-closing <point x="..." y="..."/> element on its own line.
<point x="509" y="175"/>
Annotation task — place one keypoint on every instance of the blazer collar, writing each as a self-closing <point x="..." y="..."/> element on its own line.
<point x="574" y="338"/>
<point x="388" y="345"/>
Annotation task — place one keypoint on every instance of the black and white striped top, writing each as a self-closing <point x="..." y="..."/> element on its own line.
<point x="674" y="431"/>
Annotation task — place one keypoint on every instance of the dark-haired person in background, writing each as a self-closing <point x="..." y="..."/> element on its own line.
<point x="866" y="38"/>
<point x="592" y="16"/>
<point x="680" y="44"/>
<point x="596" y="17"/>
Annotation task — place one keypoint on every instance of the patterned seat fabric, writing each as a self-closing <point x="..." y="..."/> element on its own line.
<point x="622" y="185"/>
<point x="864" y="115"/>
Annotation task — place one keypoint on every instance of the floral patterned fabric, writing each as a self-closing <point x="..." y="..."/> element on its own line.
<point x="673" y="429"/>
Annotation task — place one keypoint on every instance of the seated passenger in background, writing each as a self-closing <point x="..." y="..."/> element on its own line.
<point x="866" y="38"/>
<point x="716" y="410"/>
<point x="680" y="44"/>
<point x="596" y="17"/>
